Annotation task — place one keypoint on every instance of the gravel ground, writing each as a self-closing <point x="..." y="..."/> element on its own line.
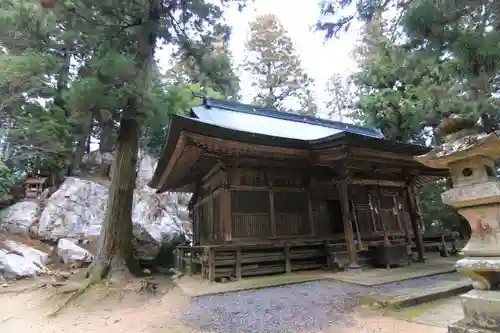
<point x="312" y="306"/>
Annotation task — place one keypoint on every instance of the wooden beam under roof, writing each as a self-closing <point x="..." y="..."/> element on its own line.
<point x="235" y="148"/>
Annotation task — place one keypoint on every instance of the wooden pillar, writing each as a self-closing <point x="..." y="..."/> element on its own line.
<point x="227" y="215"/>
<point x="358" y="232"/>
<point x="445" y="247"/>
<point x="311" y="215"/>
<point x="272" y="213"/>
<point x="189" y="264"/>
<point x="211" y="264"/>
<point x="326" y="248"/>
<point x="401" y="211"/>
<point x="415" y="217"/>
<point x="419" y="214"/>
<point x="348" y="231"/>
<point x="238" y="263"/>
<point x="288" y="262"/>
<point x="179" y="255"/>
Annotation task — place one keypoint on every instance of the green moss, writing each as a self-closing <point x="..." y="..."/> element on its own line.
<point x="415" y="311"/>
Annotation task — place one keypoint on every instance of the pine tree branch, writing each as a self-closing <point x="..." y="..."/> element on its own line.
<point x="137" y="21"/>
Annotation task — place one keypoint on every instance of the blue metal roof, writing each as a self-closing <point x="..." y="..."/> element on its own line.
<point x="271" y="122"/>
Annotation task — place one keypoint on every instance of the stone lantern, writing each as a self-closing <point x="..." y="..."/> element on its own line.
<point x="470" y="157"/>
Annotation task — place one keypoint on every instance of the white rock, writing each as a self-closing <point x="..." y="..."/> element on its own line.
<point x="69" y="252"/>
<point x="146" y="166"/>
<point x="76" y="210"/>
<point x="18" y="260"/>
<point x="95" y="158"/>
<point x="18" y="218"/>
<point x="183" y="213"/>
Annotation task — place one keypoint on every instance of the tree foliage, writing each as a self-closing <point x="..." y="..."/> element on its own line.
<point x="176" y="99"/>
<point x="431" y="60"/>
<point x="7" y="180"/>
<point x="340" y="97"/>
<point x="83" y="70"/>
<point x="279" y="78"/>
<point x="208" y="63"/>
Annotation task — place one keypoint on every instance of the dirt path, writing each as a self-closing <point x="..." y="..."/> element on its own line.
<point x="130" y="312"/>
<point x="121" y="312"/>
<point x="372" y="323"/>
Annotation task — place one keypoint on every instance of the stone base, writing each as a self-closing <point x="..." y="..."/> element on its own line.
<point x="484" y="271"/>
<point x="353" y="267"/>
<point x="463" y="327"/>
<point x="481" y="313"/>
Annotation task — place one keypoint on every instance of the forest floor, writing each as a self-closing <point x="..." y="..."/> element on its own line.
<point x="128" y="310"/>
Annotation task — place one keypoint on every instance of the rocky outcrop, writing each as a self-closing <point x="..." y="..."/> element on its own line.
<point x="19" y="260"/>
<point x="70" y="253"/>
<point x="75" y="213"/>
<point x="95" y="161"/>
<point x="76" y="210"/>
<point x="146" y="166"/>
<point x="18" y="218"/>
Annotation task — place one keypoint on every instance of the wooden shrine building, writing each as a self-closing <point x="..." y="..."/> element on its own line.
<point x="276" y="192"/>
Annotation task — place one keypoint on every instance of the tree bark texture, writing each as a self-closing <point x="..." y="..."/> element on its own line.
<point x="81" y="144"/>
<point x="61" y="86"/>
<point x="106" y="144"/>
<point x="115" y="248"/>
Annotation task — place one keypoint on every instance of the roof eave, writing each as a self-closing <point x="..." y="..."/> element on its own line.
<point x="178" y="124"/>
<point x="368" y="142"/>
<point x="169" y="147"/>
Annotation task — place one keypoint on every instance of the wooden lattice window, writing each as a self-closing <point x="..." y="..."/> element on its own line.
<point x="250" y="214"/>
<point x="292" y="213"/>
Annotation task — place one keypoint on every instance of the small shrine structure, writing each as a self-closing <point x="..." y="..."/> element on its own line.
<point x="34" y="186"/>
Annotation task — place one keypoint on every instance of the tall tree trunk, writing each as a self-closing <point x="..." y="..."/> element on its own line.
<point x="270" y="100"/>
<point x="81" y="144"/>
<point x="115" y="248"/>
<point x="106" y="145"/>
<point x="62" y="83"/>
<point x="61" y="86"/>
<point x="87" y="144"/>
